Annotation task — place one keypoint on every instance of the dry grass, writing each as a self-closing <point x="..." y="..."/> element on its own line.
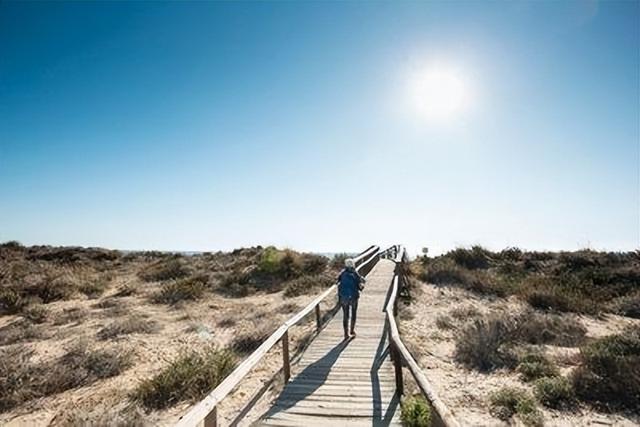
<point x="189" y="377"/>
<point x="132" y="324"/>
<point x="21" y="380"/>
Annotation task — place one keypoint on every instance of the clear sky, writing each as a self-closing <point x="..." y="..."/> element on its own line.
<point x="320" y="126"/>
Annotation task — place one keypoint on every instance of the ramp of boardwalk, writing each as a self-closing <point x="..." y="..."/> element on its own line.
<point x="341" y="382"/>
<point x="337" y="382"/>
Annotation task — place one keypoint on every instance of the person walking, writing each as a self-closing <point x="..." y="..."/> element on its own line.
<point x="350" y="283"/>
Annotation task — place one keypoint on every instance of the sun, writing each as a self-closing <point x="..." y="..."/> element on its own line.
<point x="438" y="93"/>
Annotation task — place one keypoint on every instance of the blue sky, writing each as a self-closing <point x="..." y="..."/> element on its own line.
<point x="204" y="126"/>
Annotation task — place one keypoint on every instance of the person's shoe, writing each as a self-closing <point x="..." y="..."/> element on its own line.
<point x="346" y="336"/>
<point x="353" y="334"/>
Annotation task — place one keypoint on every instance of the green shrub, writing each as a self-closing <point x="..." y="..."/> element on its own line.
<point x="484" y="343"/>
<point x="162" y="270"/>
<point x="609" y="371"/>
<point x="556" y="392"/>
<point x="508" y="401"/>
<point x="415" y="412"/>
<point x="534" y="366"/>
<point x="628" y="306"/>
<point x="191" y="288"/>
<point x="189" y="377"/>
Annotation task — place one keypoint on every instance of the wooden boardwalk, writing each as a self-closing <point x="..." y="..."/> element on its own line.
<point x="350" y="383"/>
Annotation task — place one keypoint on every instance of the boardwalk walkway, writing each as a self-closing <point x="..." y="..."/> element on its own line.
<point x="338" y="383"/>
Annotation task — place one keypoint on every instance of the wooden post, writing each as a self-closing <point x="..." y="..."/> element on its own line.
<point x="286" y="368"/>
<point x="318" y="318"/>
<point x="211" y="420"/>
<point x="397" y="365"/>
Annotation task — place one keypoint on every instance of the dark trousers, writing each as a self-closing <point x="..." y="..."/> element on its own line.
<point x="349" y="305"/>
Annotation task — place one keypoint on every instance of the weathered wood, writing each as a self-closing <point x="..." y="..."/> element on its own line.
<point x="286" y="363"/>
<point x="318" y="317"/>
<point x="211" y="420"/>
<point x="425" y="386"/>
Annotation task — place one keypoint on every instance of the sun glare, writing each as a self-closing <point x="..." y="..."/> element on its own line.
<point x="438" y="93"/>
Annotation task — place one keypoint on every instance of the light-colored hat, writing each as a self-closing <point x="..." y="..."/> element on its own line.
<point x="349" y="263"/>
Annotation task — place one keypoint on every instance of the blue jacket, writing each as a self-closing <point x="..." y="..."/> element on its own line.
<point x="349" y="284"/>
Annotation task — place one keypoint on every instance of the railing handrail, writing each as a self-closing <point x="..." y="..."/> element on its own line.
<point x="400" y="350"/>
<point x="207" y="407"/>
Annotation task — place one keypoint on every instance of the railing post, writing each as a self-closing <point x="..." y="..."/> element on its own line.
<point x="397" y="365"/>
<point x="286" y="366"/>
<point x="211" y="420"/>
<point x="318" y="318"/>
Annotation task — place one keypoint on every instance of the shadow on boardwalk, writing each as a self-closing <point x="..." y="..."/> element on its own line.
<point x="310" y="379"/>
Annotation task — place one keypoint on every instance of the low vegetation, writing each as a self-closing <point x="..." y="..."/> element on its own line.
<point x="584" y="281"/>
<point x="129" y="325"/>
<point x="22" y="380"/>
<point x="609" y="371"/>
<point x="509" y="401"/>
<point x="189" y="377"/>
<point x="186" y="289"/>
<point x="554" y="392"/>
<point x="415" y="412"/>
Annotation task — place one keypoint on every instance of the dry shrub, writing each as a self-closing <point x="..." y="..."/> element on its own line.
<point x="548" y="328"/>
<point x="36" y="313"/>
<point x="188" y="289"/>
<point x="22" y="380"/>
<point x="484" y="344"/>
<point x="173" y="268"/>
<point x="189" y="377"/>
<point x="128" y="415"/>
<point x="71" y="314"/>
<point x="11" y="301"/>
<point x="475" y="258"/>
<point x="628" y="306"/>
<point x="288" y="308"/>
<point x="56" y="289"/>
<point x="20" y="331"/>
<point x="133" y="324"/>
<point x="245" y="342"/>
<point x="307" y="285"/>
<point x="445" y="322"/>
<point x="94" y="287"/>
<point x="464" y="313"/>
<point x="609" y="371"/>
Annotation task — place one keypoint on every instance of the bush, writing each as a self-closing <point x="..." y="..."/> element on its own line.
<point x="609" y="371"/>
<point x="21" y="380"/>
<point x="19" y="331"/>
<point x="534" y="366"/>
<point x="191" y="288"/>
<point x="246" y="342"/>
<point x="71" y="314"/>
<point x="556" y="392"/>
<point x="94" y="287"/>
<point x="415" y="412"/>
<point x="306" y="285"/>
<point x="189" y="377"/>
<point x="36" y="313"/>
<point x="507" y="402"/>
<point x="11" y="301"/>
<point x="445" y="322"/>
<point x="58" y="288"/>
<point x="475" y="258"/>
<point x="131" y="325"/>
<point x="628" y="306"/>
<point x="162" y="270"/>
<point x="483" y="344"/>
<point x="546" y="328"/>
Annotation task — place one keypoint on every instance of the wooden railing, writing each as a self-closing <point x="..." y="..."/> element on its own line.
<point x="399" y="354"/>
<point x="205" y="411"/>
